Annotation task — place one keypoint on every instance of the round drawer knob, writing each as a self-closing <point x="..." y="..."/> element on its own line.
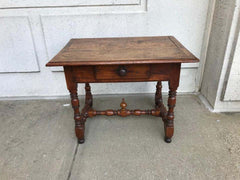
<point x="122" y="71"/>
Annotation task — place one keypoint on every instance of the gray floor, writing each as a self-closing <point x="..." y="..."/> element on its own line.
<point x="37" y="141"/>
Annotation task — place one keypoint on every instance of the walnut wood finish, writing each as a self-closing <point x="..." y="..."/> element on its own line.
<point x="119" y="72"/>
<point x="88" y="97"/>
<point x="123" y="112"/>
<point x="135" y="59"/>
<point x="153" y="72"/>
<point x="130" y="50"/>
<point x="158" y="95"/>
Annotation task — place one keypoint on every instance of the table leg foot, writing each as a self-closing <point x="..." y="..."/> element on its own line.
<point x="167" y="140"/>
<point x="79" y="129"/>
<point x="81" y="141"/>
<point x="168" y="133"/>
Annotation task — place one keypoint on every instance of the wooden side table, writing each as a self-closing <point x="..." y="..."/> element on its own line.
<point x="131" y="59"/>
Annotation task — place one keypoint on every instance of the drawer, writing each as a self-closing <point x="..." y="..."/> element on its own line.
<point x="118" y="72"/>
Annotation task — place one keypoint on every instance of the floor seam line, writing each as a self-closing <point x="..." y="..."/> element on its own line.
<point x="73" y="160"/>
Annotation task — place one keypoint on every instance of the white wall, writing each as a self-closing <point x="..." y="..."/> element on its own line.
<point x="33" y="32"/>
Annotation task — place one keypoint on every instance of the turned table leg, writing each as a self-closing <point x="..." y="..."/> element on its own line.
<point x="168" y="124"/>
<point x="158" y="95"/>
<point x="79" y="119"/>
<point x="88" y="97"/>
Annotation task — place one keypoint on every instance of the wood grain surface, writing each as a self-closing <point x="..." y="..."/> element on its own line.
<point x="129" y="50"/>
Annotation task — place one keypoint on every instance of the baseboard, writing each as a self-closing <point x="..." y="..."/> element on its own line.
<point x="13" y="98"/>
<point x="220" y="106"/>
<point x="205" y="102"/>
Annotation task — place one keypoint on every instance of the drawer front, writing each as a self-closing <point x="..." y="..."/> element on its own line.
<point x="118" y="72"/>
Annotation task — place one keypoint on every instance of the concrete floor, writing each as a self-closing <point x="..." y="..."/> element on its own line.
<point x="37" y="141"/>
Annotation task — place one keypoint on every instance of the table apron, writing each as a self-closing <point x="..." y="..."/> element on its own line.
<point x="135" y="73"/>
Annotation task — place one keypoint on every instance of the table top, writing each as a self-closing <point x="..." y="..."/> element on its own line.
<point x="125" y="50"/>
